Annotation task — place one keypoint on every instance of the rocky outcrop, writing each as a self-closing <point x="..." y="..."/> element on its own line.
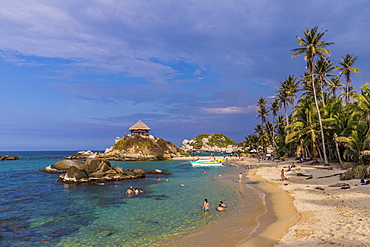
<point x="211" y="143"/>
<point x="8" y="157"/>
<point x="94" y="170"/>
<point x="84" y="155"/>
<point x="141" y="147"/>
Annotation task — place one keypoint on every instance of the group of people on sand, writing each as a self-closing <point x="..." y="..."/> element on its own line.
<point x="131" y="191"/>
<point x="206" y="207"/>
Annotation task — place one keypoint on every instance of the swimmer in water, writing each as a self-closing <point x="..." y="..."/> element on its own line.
<point x="205" y="205"/>
<point x="220" y="208"/>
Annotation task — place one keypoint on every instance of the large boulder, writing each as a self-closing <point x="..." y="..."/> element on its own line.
<point x="97" y="164"/>
<point x="104" y="167"/>
<point x="74" y="174"/>
<point x="93" y="170"/>
<point x="63" y="166"/>
<point x="97" y="174"/>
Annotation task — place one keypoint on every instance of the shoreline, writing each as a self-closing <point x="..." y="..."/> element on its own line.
<point x="305" y="210"/>
<point x="240" y="226"/>
<point x="280" y="216"/>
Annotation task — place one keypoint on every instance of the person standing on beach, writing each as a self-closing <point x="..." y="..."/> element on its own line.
<point x="282" y="175"/>
<point x="247" y="169"/>
<point x="240" y="177"/>
<point x="205" y="205"/>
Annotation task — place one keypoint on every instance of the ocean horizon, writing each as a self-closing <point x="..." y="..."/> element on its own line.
<point x="36" y="209"/>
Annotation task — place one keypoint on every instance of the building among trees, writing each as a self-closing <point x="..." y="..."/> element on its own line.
<point x="139" y="128"/>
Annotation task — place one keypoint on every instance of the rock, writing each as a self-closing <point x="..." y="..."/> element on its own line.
<point x="84" y="155"/>
<point x="63" y="165"/>
<point x="91" y="170"/>
<point x="141" y="147"/>
<point x="74" y="174"/>
<point x="97" y="174"/>
<point x="9" y="157"/>
<point x="95" y="164"/>
<point x="104" y="167"/>
<point x="157" y="171"/>
<point x="213" y="143"/>
<point x="118" y="169"/>
<point x="136" y="171"/>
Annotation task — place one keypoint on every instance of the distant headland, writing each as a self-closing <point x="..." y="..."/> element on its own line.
<point x="140" y="145"/>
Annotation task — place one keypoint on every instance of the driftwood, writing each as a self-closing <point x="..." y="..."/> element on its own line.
<point x="333" y="175"/>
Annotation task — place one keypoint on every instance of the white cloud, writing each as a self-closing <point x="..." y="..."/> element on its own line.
<point x="230" y="110"/>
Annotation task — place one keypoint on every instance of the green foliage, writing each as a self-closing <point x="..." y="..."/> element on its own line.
<point x="185" y="154"/>
<point x="133" y="141"/>
<point x="214" y="140"/>
<point x="156" y="146"/>
<point x="357" y="172"/>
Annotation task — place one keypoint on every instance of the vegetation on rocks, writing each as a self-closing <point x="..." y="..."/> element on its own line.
<point x="218" y="140"/>
<point x="139" y="147"/>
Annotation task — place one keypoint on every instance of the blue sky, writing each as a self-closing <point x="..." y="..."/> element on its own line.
<point x="76" y="74"/>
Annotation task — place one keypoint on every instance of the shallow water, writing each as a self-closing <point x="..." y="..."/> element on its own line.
<point x="38" y="211"/>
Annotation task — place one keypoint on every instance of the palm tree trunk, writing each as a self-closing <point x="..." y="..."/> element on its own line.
<point x="286" y="115"/>
<point x="320" y="121"/>
<point x="319" y="151"/>
<point x="322" y="94"/>
<point x="337" y="148"/>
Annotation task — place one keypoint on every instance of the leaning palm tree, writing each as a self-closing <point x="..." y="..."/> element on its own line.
<point x="312" y="46"/>
<point x="346" y="69"/>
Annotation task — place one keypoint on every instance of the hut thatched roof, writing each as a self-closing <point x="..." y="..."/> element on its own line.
<point x="139" y="126"/>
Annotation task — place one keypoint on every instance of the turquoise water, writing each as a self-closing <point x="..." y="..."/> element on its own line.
<point x="35" y="210"/>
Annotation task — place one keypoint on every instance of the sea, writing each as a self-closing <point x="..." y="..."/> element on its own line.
<point x="36" y="210"/>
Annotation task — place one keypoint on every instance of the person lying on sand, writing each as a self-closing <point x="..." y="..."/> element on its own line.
<point x="338" y="185"/>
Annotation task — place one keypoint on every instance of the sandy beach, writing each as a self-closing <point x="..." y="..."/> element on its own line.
<point x="301" y="211"/>
<point x="324" y="215"/>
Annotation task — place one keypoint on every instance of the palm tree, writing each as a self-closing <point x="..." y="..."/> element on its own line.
<point x="348" y="93"/>
<point x="357" y="145"/>
<point x="262" y="137"/>
<point x="364" y="104"/>
<point x="275" y="108"/>
<point x="311" y="47"/>
<point x="334" y="84"/>
<point x="346" y="69"/>
<point x="303" y="129"/>
<point x="284" y="98"/>
<point x="262" y="110"/>
<point x="322" y="70"/>
<point x="292" y="87"/>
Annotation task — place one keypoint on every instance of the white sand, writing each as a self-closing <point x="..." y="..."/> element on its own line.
<point x="329" y="217"/>
<point x="299" y="214"/>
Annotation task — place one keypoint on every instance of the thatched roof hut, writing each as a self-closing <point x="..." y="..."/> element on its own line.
<point x="139" y="128"/>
